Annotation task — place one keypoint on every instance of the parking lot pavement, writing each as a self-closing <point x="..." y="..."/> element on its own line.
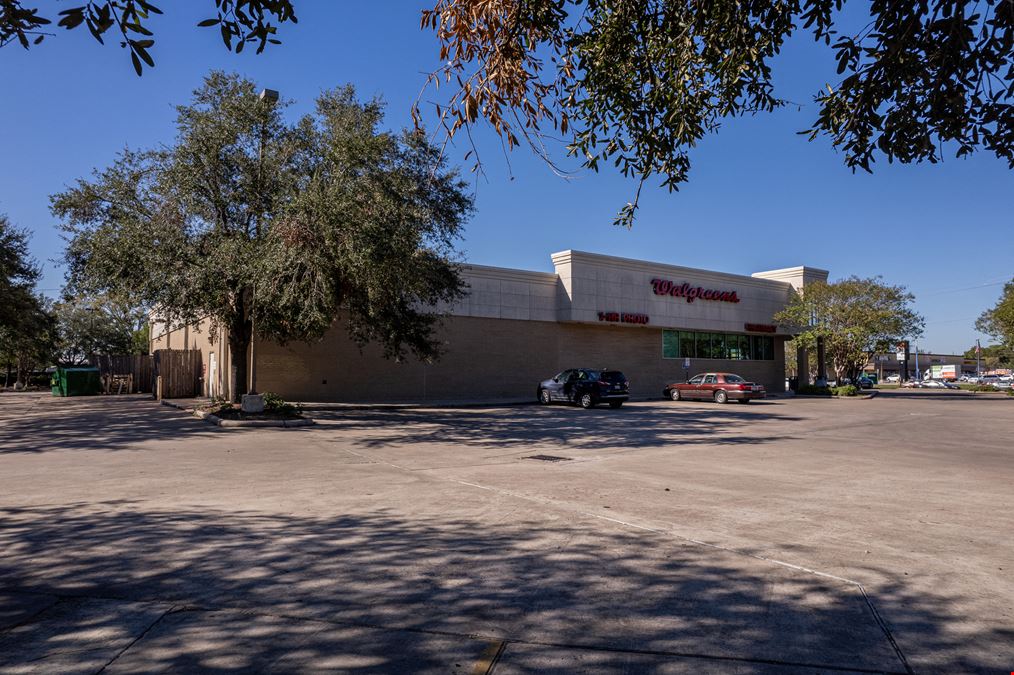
<point x="784" y="536"/>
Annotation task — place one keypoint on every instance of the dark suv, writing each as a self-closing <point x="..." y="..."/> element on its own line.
<point x="586" y="387"/>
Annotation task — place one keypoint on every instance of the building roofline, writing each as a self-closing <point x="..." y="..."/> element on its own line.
<point x="563" y="257"/>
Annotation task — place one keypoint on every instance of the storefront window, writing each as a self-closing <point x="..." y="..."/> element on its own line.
<point x="670" y="344"/>
<point x="688" y="350"/>
<point x="691" y="345"/>
<point x="744" y="346"/>
<point x="718" y="346"/>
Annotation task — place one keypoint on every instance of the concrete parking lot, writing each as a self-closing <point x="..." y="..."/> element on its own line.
<point x="791" y="536"/>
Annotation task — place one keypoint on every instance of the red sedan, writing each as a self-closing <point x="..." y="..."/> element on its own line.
<point x="717" y="387"/>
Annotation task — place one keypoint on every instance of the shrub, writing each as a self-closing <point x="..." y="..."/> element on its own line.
<point x="276" y="404"/>
<point x="846" y="390"/>
<point x="811" y="390"/>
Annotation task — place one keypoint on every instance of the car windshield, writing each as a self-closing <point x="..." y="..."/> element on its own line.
<point x="733" y="379"/>
<point x="611" y="376"/>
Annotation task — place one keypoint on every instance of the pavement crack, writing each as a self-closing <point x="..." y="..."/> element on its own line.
<point x="135" y="640"/>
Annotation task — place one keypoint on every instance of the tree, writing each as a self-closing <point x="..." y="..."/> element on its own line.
<point x="999" y="321"/>
<point x="638" y="83"/>
<point x="856" y="318"/>
<point x="30" y="342"/>
<point x="249" y="220"/>
<point x="992" y="357"/>
<point x="99" y="324"/>
<point x="26" y="334"/>
<point x="240" y="22"/>
<point x="18" y="273"/>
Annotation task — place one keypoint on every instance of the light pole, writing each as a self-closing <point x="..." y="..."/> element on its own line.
<point x="978" y="354"/>
<point x="256" y="404"/>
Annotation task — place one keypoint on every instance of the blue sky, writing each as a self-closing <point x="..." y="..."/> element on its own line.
<point x="760" y="196"/>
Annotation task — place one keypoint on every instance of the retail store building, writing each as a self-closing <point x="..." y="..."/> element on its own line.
<point x="655" y="322"/>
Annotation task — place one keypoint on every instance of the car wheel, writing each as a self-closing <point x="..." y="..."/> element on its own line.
<point x="615" y="404"/>
<point x="544" y="396"/>
<point x="586" y="401"/>
<point x="675" y="395"/>
<point x="721" y="397"/>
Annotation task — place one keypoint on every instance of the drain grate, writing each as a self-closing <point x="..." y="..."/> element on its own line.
<point x="548" y="458"/>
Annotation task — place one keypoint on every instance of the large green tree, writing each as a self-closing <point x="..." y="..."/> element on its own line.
<point x="31" y="343"/>
<point x="992" y="357"/>
<point x="27" y="331"/>
<point x="638" y="83"/>
<point x="18" y="274"/>
<point x="998" y="321"/>
<point x="251" y="220"/>
<point x="99" y="324"/>
<point x="856" y="318"/>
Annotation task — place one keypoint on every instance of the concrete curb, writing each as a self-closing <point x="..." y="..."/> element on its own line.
<point x="219" y="422"/>
<point x="861" y="397"/>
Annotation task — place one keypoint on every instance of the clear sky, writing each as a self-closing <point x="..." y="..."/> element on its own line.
<point x="760" y="196"/>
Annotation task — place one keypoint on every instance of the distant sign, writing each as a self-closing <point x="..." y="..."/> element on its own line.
<point x="760" y="328"/>
<point x="623" y="317"/>
<point x="901" y="356"/>
<point x="686" y="364"/>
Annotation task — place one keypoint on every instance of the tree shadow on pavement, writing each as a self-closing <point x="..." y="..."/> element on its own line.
<point x="377" y="592"/>
<point x="630" y="427"/>
<point x="94" y="423"/>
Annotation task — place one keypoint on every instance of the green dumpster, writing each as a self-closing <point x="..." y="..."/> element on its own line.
<point x="79" y="381"/>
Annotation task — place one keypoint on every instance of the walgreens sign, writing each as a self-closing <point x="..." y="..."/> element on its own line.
<point x="691" y="293"/>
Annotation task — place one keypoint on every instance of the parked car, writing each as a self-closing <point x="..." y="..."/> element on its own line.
<point x="892" y="378"/>
<point x="939" y="384"/>
<point x="864" y="383"/>
<point x="718" y="387"/>
<point x="586" y="387"/>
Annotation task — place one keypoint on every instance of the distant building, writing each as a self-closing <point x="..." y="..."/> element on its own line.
<point x="884" y="365"/>
<point x="657" y="323"/>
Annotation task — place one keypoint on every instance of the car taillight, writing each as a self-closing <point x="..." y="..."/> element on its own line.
<point x="744" y="387"/>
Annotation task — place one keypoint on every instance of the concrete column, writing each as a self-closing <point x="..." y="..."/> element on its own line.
<point x="821" y="360"/>
<point x="803" y="365"/>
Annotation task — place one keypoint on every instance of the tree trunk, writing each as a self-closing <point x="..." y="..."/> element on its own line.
<point x="238" y="350"/>
<point x="239" y="345"/>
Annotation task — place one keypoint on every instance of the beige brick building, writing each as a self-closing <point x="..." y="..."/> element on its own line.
<point x="515" y="328"/>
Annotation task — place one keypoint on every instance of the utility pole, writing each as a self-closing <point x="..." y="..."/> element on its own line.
<point x="252" y="401"/>
<point x="978" y="352"/>
<point x="269" y="96"/>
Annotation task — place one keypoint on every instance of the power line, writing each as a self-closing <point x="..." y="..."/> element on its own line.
<point x="966" y="288"/>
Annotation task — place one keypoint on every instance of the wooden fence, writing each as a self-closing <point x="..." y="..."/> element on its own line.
<point x="125" y="374"/>
<point x="177" y="373"/>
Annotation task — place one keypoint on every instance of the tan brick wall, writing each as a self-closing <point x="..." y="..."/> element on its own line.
<point x="484" y="359"/>
<point x="199" y="338"/>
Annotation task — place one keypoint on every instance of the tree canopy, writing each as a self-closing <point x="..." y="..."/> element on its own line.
<point x="27" y="330"/>
<point x="248" y="219"/>
<point x="99" y="324"/>
<point x="856" y="318"/>
<point x="993" y="356"/>
<point x="638" y="83"/>
<point x="18" y="273"/>
<point x="240" y="22"/>
<point x="998" y="321"/>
